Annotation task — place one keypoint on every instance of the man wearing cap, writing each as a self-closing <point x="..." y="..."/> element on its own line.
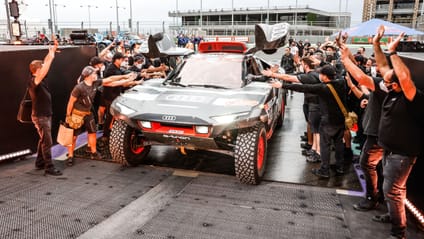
<point x="42" y="110"/>
<point x="80" y="103"/>
<point x="332" y="125"/>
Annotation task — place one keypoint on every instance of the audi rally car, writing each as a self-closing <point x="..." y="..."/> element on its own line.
<point x="215" y="100"/>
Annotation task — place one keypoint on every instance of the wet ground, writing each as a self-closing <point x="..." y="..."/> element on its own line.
<point x="193" y="196"/>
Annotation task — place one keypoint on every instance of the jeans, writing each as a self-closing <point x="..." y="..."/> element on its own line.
<point x="371" y="155"/>
<point x="328" y="133"/>
<point x="396" y="169"/>
<point x="43" y="124"/>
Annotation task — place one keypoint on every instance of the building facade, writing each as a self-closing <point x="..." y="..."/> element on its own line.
<point x="305" y="21"/>
<point x="408" y="13"/>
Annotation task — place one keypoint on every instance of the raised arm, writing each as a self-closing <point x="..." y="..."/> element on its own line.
<point x="356" y="91"/>
<point x="401" y="70"/>
<point x="380" y="58"/>
<point x="285" y="77"/>
<point x="46" y="63"/>
<point x="354" y="70"/>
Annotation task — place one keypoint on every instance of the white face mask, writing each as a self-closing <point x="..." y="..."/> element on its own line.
<point x="138" y="66"/>
<point x="124" y="64"/>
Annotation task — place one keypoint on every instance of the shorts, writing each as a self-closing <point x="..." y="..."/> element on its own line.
<point x="89" y="125"/>
<point x="314" y="121"/>
<point x="306" y="111"/>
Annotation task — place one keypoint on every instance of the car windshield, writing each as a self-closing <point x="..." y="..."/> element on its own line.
<point x="220" y="70"/>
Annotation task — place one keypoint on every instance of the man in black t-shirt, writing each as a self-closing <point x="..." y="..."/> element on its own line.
<point x="372" y="153"/>
<point x="42" y="110"/>
<point x="399" y="132"/>
<point x="310" y="105"/>
<point x="80" y="103"/>
<point x="332" y="124"/>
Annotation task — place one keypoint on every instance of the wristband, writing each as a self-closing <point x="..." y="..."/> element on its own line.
<point x="392" y="53"/>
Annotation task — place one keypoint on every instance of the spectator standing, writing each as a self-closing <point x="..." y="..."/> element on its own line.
<point x="42" y="110"/>
<point x="400" y="132"/>
<point x="372" y="153"/>
<point x="80" y="103"/>
<point x="332" y="125"/>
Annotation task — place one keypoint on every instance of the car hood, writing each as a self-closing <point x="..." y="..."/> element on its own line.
<point x="153" y="100"/>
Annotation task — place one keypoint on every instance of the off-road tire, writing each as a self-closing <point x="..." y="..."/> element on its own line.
<point x="122" y="147"/>
<point x="250" y="154"/>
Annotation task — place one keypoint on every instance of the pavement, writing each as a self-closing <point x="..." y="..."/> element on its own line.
<point x="170" y="198"/>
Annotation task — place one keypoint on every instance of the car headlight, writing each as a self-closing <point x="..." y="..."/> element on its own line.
<point x="124" y="109"/>
<point x="225" y="119"/>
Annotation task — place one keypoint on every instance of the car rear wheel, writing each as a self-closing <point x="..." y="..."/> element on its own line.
<point x="126" y="144"/>
<point x="250" y="154"/>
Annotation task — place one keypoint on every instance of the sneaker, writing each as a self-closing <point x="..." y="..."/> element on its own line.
<point x="39" y="166"/>
<point x="305" y="146"/>
<point x="100" y="127"/>
<point x="96" y="156"/>
<point x="385" y="218"/>
<point x="366" y="204"/>
<point x="70" y="161"/>
<point x="53" y="172"/>
<point x="338" y="169"/>
<point x="314" y="158"/>
<point x="348" y="155"/>
<point x="320" y="173"/>
<point x="307" y="152"/>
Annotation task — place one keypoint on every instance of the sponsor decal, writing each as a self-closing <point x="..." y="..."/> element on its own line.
<point x="186" y="98"/>
<point x="174" y="131"/>
<point x="177" y="137"/>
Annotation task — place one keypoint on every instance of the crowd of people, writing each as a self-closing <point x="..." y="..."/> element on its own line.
<point x="114" y="70"/>
<point x="380" y="88"/>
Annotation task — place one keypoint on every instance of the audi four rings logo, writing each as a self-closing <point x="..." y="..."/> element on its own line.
<point x="169" y="117"/>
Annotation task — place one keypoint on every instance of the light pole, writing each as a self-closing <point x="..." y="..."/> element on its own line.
<point x="267" y="13"/>
<point x="118" y="27"/>
<point x="9" y="28"/>
<point x="340" y="12"/>
<point x="131" y="17"/>
<point x="232" y="17"/>
<point x="56" y="25"/>
<point x="51" y="17"/>
<point x="201" y="14"/>
<point x="295" y="19"/>
<point x="89" y="13"/>
<point x="117" y="17"/>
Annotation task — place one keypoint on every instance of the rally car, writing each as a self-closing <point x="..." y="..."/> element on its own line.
<point x="215" y="100"/>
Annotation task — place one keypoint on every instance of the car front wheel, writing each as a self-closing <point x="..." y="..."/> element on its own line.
<point x="127" y="144"/>
<point x="250" y="154"/>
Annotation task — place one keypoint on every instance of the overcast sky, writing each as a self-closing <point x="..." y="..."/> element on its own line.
<point x="157" y="10"/>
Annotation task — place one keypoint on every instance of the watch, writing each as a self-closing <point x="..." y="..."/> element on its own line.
<point x="392" y="53"/>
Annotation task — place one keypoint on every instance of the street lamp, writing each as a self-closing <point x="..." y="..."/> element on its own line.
<point x="118" y="28"/>
<point x="131" y="17"/>
<point x="232" y="17"/>
<point x="56" y="28"/>
<point x="267" y="14"/>
<point x="89" y="13"/>
<point x="295" y="20"/>
<point x="201" y="16"/>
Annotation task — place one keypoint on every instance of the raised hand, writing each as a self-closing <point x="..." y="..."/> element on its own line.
<point x="392" y="46"/>
<point x="379" y="35"/>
